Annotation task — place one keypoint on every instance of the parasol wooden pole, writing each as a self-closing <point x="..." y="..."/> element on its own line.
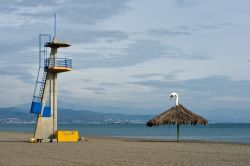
<point x="178" y="130"/>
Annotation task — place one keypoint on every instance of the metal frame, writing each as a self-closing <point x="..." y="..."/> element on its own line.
<point x="41" y="77"/>
<point x="58" y="62"/>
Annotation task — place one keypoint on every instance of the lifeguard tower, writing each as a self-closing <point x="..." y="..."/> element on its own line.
<point x="44" y="102"/>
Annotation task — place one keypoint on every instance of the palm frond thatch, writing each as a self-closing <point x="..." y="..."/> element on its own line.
<point x="177" y="115"/>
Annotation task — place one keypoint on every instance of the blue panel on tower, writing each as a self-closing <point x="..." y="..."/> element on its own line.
<point x="46" y="112"/>
<point x="36" y="107"/>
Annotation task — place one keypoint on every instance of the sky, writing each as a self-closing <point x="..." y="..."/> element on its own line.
<point x="129" y="55"/>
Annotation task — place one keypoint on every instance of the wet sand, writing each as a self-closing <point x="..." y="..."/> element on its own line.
<point x="14" y="150"/>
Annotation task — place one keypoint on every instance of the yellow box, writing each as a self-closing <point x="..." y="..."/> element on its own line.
<point x="66" y="136"/>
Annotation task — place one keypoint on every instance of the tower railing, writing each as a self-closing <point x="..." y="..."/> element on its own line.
<point x="58" y="62"/>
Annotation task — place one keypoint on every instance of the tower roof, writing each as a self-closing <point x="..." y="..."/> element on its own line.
<point x="56" y="44"/>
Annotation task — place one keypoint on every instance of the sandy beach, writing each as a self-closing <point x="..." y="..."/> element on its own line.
<point x="14" y="150"/>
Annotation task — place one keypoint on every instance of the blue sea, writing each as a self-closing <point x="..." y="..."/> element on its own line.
<point x="238" y="133"/>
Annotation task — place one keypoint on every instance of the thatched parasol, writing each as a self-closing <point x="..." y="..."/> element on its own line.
<point x="178" y="115"/>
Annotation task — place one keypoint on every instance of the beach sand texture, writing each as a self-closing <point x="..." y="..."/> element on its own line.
<point x="119" y="152"/>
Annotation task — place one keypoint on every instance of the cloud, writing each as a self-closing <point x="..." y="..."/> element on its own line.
<point x="215" y="84"/>
<point x="214" y="26"/>
<point x="208" y="90"/>
<point x="186" y="54"/>
<point x="158" y="76"/>
<point x="34" y="3"/>
<point x="186" y="3"/>
<point x="94" y="89"/>
<point x="92" y="36"/>
<point x="147" y="76"/>
<point x="185" y="30"/>
<point x="23" y="74"/>
<point x="110" y="84"/>
<point x="136" y="52"/>
<point x="89" y="12"/>
<point x="169" y="32"/>
<point x="78" y="12"/>
<point x="87" y="80"/>
<point x="113" y="55"/>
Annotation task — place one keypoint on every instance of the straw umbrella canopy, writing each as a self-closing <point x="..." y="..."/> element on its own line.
<point x="178" y="115"/>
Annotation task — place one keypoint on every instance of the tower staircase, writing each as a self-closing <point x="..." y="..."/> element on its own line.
<point x="36" y="106"/>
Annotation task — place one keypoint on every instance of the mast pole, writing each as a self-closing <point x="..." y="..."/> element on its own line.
<point x="55" y="25"/>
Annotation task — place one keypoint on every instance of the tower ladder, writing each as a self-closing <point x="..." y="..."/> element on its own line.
<point x="36" y="106"/>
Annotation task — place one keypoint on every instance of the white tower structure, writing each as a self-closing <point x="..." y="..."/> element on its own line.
<point x="44" y="102"/>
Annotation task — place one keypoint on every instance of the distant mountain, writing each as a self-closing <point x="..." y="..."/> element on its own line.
<point x="22" y="115"/>
<point x="19" y="115"/>
<point x="15" y="115"/>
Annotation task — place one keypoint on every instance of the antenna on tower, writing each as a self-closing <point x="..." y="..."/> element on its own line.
<point x="55" y="25"/>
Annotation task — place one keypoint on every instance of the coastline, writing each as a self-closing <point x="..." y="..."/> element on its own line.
<point x="14" y="150"/>
<point x="24" y="136"/>
<point x="230" y="133"/>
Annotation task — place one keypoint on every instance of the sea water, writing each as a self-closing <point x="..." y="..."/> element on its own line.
<point x="238" y="133"/>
